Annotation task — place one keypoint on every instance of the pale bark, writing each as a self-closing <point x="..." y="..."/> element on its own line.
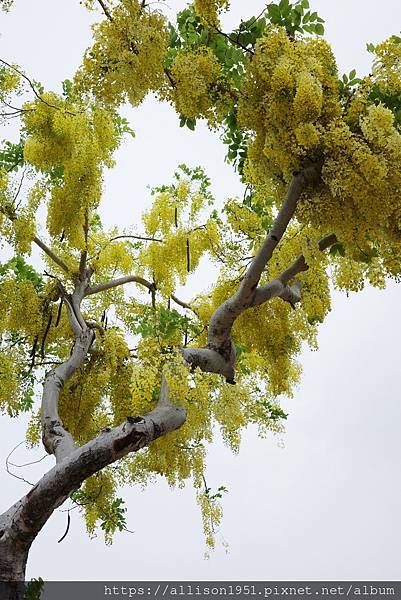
<point x="107" y="285"/>
<point x="56" y="439"/>
<point x="222" y="320"/>
<point x="23" y="521"/>
<point x="279" y="287"/>
<point x="51" y="254"/>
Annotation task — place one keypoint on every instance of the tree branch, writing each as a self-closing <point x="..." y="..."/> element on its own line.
<point x="136" y="237"/>
<point x="32" y="86"/>
<point x="234" y="41"/>
<point x="222" y="320"/>
<point x="300" y="264"/>
<point x="51" y="254"/>
<point x="105" y="10"/>
<point x="279" y="287"/>
<point x="56" y="439"/>
<point x="26" y="517"/>
<point x="107" y="285"/>
<point x="211" y="361"/>
<point x="183" y="304"/>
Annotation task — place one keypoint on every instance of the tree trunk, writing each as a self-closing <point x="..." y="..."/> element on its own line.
<point x="22" y="522"/>
<point x="13" y="559"/>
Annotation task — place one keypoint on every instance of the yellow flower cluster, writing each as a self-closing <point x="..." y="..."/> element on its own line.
<point x="9" y="384"/>
<point x="98" y="388"/>
<point x="387" y="66"/>
<point x="198" y="91"/>
<point x="243" y="220"/>
<point x="212" y="514"/>
<point x="283" y="102"/>
<point x="126" y="60"/>
<point x="99" y="492"/>
<point x="358" y="199"/>
<point x="17" y="301"/>
<point x="73" y="145"/>
<point x="174" y="220"/>
<point x="110" y="257"/>
<point x="9" y="81"/>
<point x="209" y="10"/>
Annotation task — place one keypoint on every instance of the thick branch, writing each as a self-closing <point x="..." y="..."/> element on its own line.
<point x="279" y="287"/>
<point x="223" y="318"/>
<point x="300" y="265"/>
<point x="56" y="439"/>
<point x="25" y="519"/>
<point x="107" y="285"/>
<point x="210" y="361"/>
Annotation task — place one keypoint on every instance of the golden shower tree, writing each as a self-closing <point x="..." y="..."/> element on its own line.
<point x="133" y="378"/>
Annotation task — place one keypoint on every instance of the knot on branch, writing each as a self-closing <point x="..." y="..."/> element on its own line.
<point x="210" y="360"/>
<point x="311" y="174"/>
<point x="292" y="293"/>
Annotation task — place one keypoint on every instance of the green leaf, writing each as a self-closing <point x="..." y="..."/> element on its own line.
<point x="33" y="589"/>
<point x="337" y="249"/>
<point x="11" y="155"/>
<point x="274" y="13"/>
<point x="319" y="29"/>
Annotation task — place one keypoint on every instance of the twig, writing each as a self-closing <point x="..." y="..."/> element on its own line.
<point x="234" y="41"/>
<point x="105" y="10"/>
<point x="137" y="237"/>
<point x="33" y="462"/>
<point x="42" y="347"/>
<point x="19" y="188"/>
<point x="38" y="96"/>
<point x="7" y="465"/>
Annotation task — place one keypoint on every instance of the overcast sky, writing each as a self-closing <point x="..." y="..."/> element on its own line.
<point x="321" y="501"/>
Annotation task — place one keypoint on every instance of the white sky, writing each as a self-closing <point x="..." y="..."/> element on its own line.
<point x="324" y="506"/>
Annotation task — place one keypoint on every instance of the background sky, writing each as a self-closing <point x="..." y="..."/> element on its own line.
<point x="321" y="501"/>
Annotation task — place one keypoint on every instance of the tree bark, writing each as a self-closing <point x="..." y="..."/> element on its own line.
<point x="20" y="525"/>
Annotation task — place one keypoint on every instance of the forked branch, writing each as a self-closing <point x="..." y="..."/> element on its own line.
<point x="222" y="320"/>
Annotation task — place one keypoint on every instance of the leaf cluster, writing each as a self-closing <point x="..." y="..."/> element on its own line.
<point x="23" y="272"/>
<point x="163" y="323"/>
<point x="295" y="18"/>
<point x="11" y="155"/>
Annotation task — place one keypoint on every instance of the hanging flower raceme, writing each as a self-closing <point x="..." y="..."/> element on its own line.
<point x="126" y="60"/>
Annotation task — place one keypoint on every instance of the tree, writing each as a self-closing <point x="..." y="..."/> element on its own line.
<point x="319" y="158"/>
